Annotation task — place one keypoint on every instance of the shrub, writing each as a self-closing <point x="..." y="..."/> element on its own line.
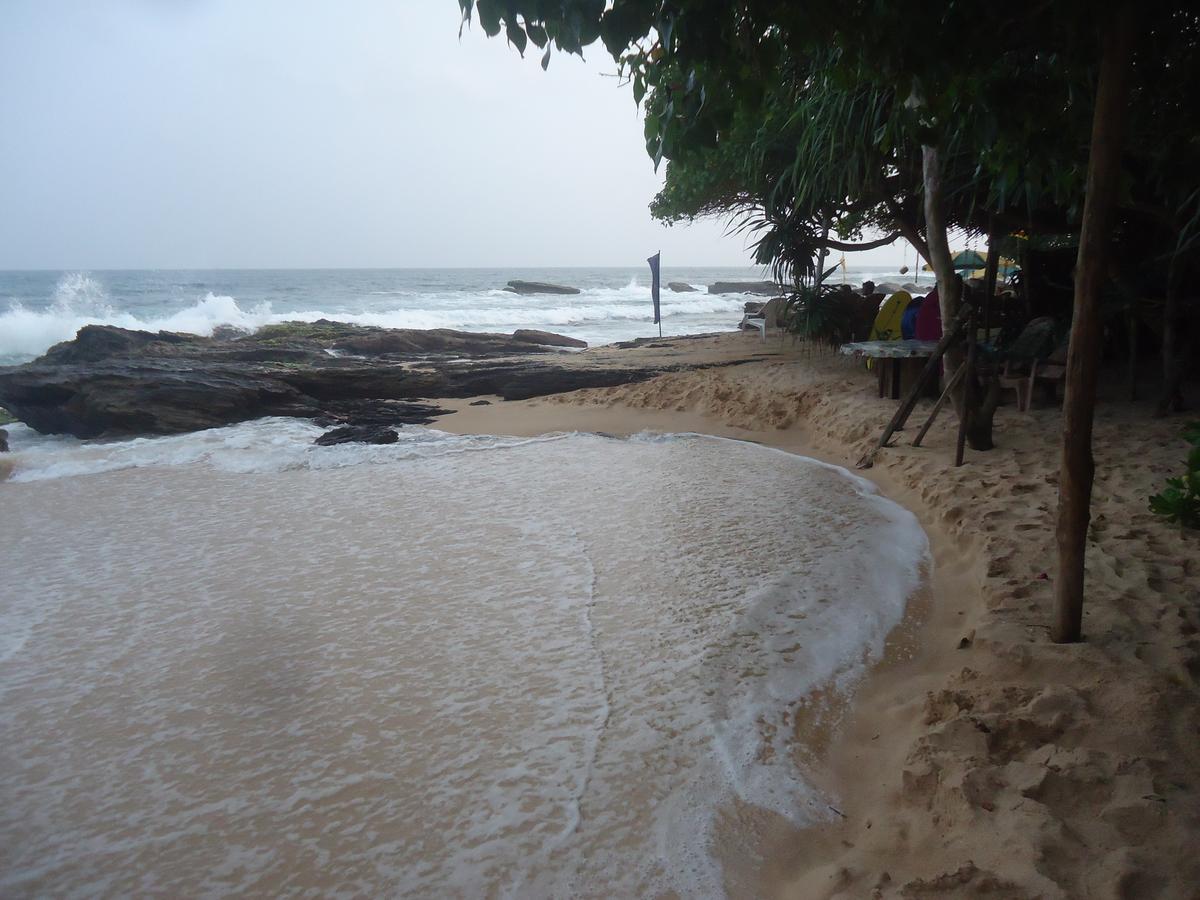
<point x="831" y="315"/>
<point x="1180" y="499"/>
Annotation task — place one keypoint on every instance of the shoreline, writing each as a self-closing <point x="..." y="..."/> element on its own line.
<point x="1006" y="764"/>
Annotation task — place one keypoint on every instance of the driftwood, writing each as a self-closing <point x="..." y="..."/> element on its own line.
<point x="910" y="402"/>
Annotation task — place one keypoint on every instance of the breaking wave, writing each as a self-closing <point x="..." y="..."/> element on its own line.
<point x="597" y="315"/>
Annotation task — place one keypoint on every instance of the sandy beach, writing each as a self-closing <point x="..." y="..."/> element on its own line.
<point x="989" y="761"/>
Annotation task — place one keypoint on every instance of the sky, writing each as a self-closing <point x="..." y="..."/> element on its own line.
<point x="230" y="134"/>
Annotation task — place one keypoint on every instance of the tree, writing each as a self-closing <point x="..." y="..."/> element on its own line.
<point x="1003" y="133"/>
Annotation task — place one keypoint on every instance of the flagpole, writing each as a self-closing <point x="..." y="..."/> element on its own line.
<point x="659" y="255"/>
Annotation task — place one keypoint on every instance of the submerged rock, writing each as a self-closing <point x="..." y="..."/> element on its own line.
<point x="547" y="338"/>
<point x="539" y="287"/>
<point x="680" y="287"/>
<point x="358" y="434"/>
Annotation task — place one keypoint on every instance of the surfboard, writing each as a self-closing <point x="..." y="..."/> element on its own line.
<point x="929" y="319"/>
<point x="887" y="323"/>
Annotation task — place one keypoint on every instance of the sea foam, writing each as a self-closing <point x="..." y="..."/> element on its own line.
<point x="598" y="315"/>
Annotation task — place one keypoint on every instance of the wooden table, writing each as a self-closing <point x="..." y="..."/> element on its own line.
<point x="896" y="351"/>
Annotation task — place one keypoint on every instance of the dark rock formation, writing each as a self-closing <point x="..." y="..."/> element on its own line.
<point x="680" y="287"/>
<point x="547" y="339"/>
<point x="480" y="403"/>
<point x="110" y="382"/>
<point x="539" y="287"/>
<point x="358" y="434"/>
<point x="745" y="287"/>
<point x="3" y="441"/>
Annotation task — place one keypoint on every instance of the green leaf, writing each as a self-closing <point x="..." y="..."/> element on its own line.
<point x="516" y="35"/>
<point x="537" y="34"/>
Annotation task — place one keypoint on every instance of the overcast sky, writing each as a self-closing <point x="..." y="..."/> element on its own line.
<point x="226" y="133"/>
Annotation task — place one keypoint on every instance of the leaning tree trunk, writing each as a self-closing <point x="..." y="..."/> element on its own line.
<point x="1083" y="357"/>
<point x="938" y="241"/>
<point x="976" y="405"/>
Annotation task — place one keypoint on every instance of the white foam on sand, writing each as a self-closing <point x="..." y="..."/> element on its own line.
<point x="449" y="665"/>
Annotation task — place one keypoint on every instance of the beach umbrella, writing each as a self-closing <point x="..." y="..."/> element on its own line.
<point x="968" y="259"/>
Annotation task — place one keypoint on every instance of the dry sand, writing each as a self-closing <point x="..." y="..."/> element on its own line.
<point x="992" y="762"/>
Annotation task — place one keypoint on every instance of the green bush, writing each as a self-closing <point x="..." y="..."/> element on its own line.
<point x="1180" y="499"/>
<point x="832" y="315"/>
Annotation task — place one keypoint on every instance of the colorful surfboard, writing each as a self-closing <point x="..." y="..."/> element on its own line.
<point x="891" y="313"/>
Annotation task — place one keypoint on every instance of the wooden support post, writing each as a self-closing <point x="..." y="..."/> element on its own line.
<point x="1133" y="354"/>
<point x="941" y="401"/>
<point x="989" y="279"/>
<point x="931" y="367"/>
<point x="1103" y="178"/>
<point x="968" y="393"/>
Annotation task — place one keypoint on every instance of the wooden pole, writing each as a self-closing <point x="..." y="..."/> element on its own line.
<point x="989" y="279"/>
<point x="1172" y="368"/>
<point x="969" y="397"/>
<point x="941" y="401"/>
<point x="1077" y="467"/>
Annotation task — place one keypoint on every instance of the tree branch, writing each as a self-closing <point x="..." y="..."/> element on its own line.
<point x="868" y="245"/>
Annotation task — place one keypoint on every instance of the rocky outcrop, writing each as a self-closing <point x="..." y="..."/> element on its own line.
<point x="539" y="287"/>
<point x="745" y="287"/>
<point x="3" y="441"/>
<point x="547" y="339"/>
<point x="110" y="382"/>
<point x="680" y="287"/>
<point x="358" y="434"/>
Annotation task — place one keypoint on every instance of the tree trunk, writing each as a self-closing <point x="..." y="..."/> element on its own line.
<point x="993" y="269"/>
<point x="822" y="252"/>
<point x="975" y="405"/>
<point x="1077" y="467"/>
<point x="938" y="241"/>
<point x="1172" y="366"/>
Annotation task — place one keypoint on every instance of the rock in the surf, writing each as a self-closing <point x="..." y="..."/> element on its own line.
<point x="680" y="287"/>
<point x="547" y="338"/>
<point x="539" y="287"/>
<point x="111" y="382"/>
<point x="744" y="287"/>
<point x="358" y="434"/>
<point x="3" y="441"/>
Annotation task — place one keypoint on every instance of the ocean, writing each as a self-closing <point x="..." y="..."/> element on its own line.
<point x="39" y="309"/>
